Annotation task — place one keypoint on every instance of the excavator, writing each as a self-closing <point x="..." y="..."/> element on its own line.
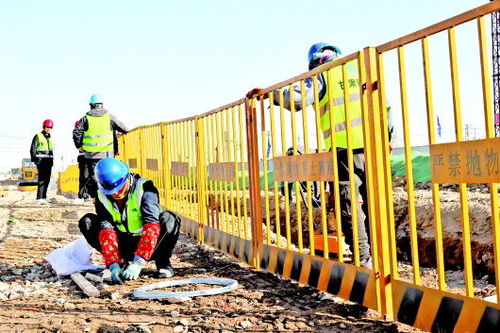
<point x="28" y="179"/>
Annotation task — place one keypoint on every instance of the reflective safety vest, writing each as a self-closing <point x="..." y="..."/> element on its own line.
<point x="98" y="138"/>
<point x="45" y="146"/>
<point x="336" y="85"/>
<point x="130" y="220"/>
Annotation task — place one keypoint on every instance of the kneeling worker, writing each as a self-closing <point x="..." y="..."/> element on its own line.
<point x="129" y="226"/>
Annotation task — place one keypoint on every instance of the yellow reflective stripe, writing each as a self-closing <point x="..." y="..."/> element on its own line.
<point x="139" y="190"/>
<point x="117" y="218"/>
<point x="338" y="101"/>
<point x="137" y="231"/>
<point x="137" y="196"/>
<point x="99" y="136"/>
<point x="343" y="126"/>
<point x="99" y="144"/>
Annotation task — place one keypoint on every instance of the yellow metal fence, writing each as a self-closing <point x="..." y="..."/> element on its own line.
<point x="261" y="178"/>
<point x="68" y="180"/>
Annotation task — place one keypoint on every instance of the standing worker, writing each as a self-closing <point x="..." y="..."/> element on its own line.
<point x="83" y="173"/>
<point x="42" y="154"/>
<point x="129" y="229"/>
<point x="94" y="135"/>
<point x="319" y="54"/>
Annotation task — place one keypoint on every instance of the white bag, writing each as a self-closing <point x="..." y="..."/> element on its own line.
<point x="72" y="258"/>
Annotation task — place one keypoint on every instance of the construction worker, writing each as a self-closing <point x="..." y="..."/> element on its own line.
<point x="321" y="53"/>
<point x="95" y="136"/>
<point x="129" y="229"/>
<point x="42" y="154"/>
<point x="83" y="173"/>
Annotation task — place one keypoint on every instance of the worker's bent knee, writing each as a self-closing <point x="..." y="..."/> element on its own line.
<point x="86" y="222"/>
<point x="170" y="221"/>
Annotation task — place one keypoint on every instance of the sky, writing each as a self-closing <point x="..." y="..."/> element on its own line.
<point x="160" y="60"/>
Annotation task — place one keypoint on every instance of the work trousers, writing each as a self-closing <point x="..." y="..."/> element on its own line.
<point x="89" y="187"/>
<point x="44" y="171"/>
<point x="90" y="226"/>
<point x="361" y="204"/>
<point x="83" y="177"/>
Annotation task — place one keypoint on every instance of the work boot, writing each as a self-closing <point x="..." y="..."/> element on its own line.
<point x="166" y="272"/>
<point x="367" y="263"/>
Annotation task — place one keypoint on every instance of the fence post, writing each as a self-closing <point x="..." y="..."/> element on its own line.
<point x="140" y="163"/>
<point x="166" y="165"/>
<point x="201" y="179"/>
<point x="59" y="181"/>
<point x="254" y="179"/>
<point x="122" y="149"/>
<point x="376" y="154"/>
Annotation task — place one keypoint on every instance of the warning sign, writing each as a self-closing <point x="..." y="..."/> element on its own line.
<point x="466" y="162"/>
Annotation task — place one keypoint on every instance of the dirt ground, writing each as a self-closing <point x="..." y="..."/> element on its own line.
<point x="34" y="299"/>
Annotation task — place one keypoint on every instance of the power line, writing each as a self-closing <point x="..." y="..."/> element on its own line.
<point x="12" y="136"/>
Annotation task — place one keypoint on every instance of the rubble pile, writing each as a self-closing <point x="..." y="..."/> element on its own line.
<point x="451" y="215"/>
<point x="29" y="281"/>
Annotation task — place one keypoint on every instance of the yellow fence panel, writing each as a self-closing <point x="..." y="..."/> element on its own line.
<point x="131" y="148"/>
<point x="68" y="180"/>
<point x="431" y="63"/>
<point x="181" y="141"/>
<point x="226" y="169"/>
<point x="151" y="156"/>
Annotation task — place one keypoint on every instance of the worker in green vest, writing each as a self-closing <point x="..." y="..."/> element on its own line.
<point x="95" y="136"/>
<point x="319" y="54"/>
<point x="128" y="228"/>
<point x="42" y="154"/>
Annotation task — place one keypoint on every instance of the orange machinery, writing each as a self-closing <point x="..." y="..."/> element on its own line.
<point x="28" y="179"/>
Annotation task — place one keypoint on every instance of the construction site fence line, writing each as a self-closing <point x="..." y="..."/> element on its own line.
<point x="267" y="179"/>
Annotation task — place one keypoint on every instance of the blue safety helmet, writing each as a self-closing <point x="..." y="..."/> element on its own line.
<point x="96" y="99"/>
<point x="315" y="50"/>
<point x="111" y="174"/>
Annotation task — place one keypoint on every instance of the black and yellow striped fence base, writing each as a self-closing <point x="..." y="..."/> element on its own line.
<point x="439" y="311"/>
<point x="421" y="307"/>
<point x="237" y="247"/>
<point x="344" y="280"/>
<point x="189" y="227"/>
<point x="347" y="281"/>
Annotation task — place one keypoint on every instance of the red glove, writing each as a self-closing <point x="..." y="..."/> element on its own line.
<point x="254" y="92"/>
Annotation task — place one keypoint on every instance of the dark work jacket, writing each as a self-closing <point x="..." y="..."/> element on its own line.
<point x="150" y="207"/>
<point x="34" y="145"/>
